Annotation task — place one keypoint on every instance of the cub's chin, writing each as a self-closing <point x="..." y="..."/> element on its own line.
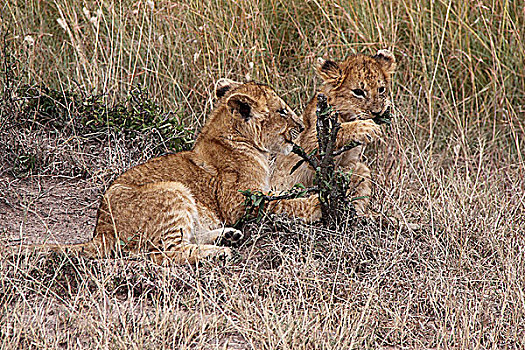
<point x="283" y="147"/>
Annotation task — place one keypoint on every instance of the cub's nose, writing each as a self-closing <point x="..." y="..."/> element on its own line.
<point x="381" y="113"/>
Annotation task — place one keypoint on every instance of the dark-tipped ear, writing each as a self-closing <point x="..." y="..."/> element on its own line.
<point x="223" y="85"/>
<point x="329" y="71"/>
<point x="242" y="105"/>
<point x="387" y="61"/>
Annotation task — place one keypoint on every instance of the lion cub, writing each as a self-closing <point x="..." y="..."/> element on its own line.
<point x="358" y="89"/>
<point x="175" y="207"/>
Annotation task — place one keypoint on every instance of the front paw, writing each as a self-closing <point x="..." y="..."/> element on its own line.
<point x="363" y="131"/>
<point x="230" y="237"/>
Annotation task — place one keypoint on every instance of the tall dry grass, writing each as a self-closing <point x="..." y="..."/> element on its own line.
<point x="452" y="161"/>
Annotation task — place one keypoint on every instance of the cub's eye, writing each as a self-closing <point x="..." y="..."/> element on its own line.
<point x="358" y="92"/>
<point x="381" y="90"/>
<point x="283" y="112"/>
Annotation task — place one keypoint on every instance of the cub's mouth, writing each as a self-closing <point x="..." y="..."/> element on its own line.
<point x="287" y="149"/>
<point x="293" y="132"/>
<point x="383" y="118"/>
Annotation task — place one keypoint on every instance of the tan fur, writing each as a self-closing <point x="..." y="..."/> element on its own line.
<point x="176" y="206"/>
<point x="340" y="83"/>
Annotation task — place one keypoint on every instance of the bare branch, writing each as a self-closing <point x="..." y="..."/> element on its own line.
<point x="345" y="148"/>
<point x="314" y="163"/>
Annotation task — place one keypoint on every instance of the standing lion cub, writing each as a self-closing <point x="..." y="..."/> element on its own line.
<point x="176" y="206"/>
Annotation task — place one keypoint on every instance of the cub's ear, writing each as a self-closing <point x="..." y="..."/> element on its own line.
<point x="223" y="85"/>
<point x="329" y="71"/>
<point x="242" y="105"/>
<point x="387" y="61"/>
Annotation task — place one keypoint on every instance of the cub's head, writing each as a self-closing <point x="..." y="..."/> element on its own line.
<point x="359" y="87"/>
<point x="258" y="115"/>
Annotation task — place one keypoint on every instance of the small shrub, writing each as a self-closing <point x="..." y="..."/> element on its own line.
<point x="38" y="123"/>
<point x="91" y="115"/>
<point x="331" y="184"/>
<point x="255" y="202"/>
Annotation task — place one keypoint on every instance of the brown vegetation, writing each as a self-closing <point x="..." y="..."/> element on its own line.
<point x="452" y="161"/>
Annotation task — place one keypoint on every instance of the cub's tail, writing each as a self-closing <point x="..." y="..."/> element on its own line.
<point x="94" y="248"/>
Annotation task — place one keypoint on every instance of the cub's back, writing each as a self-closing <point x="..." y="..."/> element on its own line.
<point x="166" y="168"/>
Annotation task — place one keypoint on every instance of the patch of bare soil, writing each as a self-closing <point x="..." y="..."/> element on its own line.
<point x="47" y="208"/>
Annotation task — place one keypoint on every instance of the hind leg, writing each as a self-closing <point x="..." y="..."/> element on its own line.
<point x="187" y="252"/>
<point x="176" y="247"/>
<point x="161" y="219"/>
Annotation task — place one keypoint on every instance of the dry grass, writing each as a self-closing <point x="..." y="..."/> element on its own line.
<point x="452" y="161"/>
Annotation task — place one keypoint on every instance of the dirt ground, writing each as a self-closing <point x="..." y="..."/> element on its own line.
<point x="47" y="208"/>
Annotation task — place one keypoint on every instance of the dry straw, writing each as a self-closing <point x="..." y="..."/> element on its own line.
<point x="452" y="161"/>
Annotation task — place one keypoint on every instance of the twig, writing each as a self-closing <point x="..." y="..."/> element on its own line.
<point x="345" y="148"/>
<point x="314" y="163"/>
<point x="299" y="194"/>
<point x="333" y="184"/>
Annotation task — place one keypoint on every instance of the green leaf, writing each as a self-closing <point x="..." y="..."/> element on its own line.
<point x="358" y="198"/>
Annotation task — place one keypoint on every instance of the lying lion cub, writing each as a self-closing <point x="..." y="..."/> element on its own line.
<point x="175" y="207"/>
